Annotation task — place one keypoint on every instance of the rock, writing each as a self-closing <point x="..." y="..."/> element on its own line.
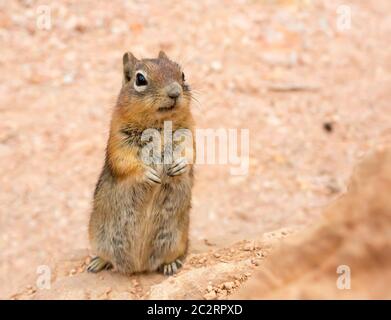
<point x="249" y="246"/>
<point x="228" y="285"/>
<point x="191" y="284"/>
<point x="216" y="66"/>
<point x="354" y="236"/>
<point x="68" y="78"/>
<point x="210" y="296"/>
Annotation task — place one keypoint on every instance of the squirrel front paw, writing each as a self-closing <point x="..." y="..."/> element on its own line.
<point x="152" y="175"/>
<point x="178" y="167"/>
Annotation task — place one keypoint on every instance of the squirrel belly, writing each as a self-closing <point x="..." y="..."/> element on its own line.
<point x="140" y="216"/>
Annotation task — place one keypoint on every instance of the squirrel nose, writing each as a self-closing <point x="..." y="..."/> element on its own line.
<point x="174" y="90"/>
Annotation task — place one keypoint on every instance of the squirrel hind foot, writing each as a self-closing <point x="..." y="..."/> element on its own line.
<point x="98" y="264"/>
<point x="171" y="268"/>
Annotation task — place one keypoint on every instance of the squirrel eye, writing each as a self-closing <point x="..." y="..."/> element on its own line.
<point x="140" y="80"/>
<point x="183" y="77"/>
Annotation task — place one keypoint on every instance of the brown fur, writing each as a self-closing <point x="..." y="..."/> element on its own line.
<point x="135" y="225"/>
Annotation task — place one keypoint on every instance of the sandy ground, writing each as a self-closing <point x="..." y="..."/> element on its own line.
<point x="243" y="58"/>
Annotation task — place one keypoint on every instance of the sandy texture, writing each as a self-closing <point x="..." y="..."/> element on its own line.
<point x="315" y="99"/>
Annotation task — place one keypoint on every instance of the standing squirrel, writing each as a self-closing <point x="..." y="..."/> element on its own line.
<point x="140" y="216"/>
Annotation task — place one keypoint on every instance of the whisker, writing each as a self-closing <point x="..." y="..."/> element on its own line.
<point x="197" y="103"/>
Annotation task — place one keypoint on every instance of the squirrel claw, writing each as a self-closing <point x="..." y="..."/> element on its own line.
<point x="178" y="167"/>
<point x="171" y="268"/>
<point x="152" y="175"/>
<point x="98" y="264"/>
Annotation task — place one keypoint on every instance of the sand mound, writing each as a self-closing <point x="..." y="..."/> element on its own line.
<point x="354" y="237"/>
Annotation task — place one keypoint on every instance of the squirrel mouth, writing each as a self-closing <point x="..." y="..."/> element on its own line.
<point x="168" y="108"/>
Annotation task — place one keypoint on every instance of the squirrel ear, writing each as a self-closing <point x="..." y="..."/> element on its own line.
<point x="128" y="60"/>
<point x="162" y="55"/>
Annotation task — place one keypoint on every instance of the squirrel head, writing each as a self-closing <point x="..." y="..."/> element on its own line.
<point x="153" y="86"/>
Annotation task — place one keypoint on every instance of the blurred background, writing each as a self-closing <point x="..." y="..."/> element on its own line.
<point x="310" y="79"/>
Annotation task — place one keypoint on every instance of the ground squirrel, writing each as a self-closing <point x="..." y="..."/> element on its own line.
<point x="140" y="215"/>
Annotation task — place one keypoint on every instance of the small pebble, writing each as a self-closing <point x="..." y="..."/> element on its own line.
<point x="108" y="290"/>
<point x="328" y="127"/>
<point x="210" y="296"/>
<point x="249" y="246"/>
<point x="216" y="66"/>
<point x="229" y="285"/>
